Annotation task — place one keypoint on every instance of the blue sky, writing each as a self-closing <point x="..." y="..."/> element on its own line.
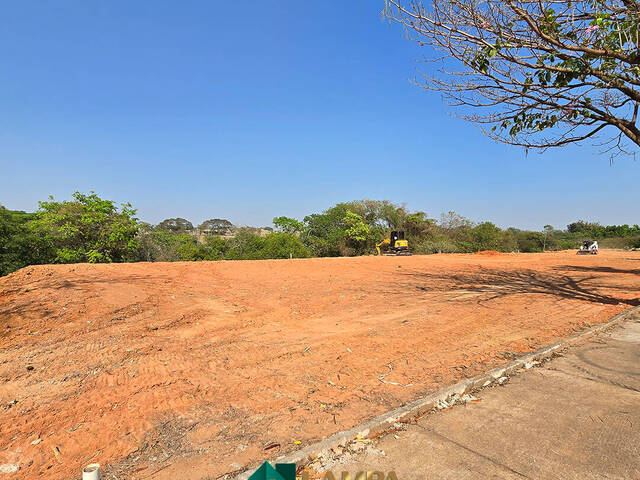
<point x="250" y="110"/>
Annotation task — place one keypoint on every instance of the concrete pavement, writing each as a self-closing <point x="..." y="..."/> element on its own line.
<point x="575" y="417"/>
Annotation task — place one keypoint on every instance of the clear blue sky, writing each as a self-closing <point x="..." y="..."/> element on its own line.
<point x="250" y="110"/>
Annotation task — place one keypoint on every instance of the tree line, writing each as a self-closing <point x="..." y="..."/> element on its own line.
<point x="90" y="229"/>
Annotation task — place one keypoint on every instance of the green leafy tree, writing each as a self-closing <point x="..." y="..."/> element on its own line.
<point x="508" y="241"/>
<point x="486" y="236"/>
<point x="214" y="248"/>
<point x="356" y="230"/>
<point x="634" y="242"/>
<point x="539" y="74"/>
<point x="458" y="229"/>
<point x="288" y="225"/>
<point x="284" y="245"/>
<point x="324" y="232"/>
<point x="246" y="245"/>
<point x="547" y="230"/>
<point x="529" y="242"/>
<point x="19" y="244"/>
<point x="436" y="243"/>
<point x="11" y="248"/>
<point x="216" y="226"/>
<point x="88" y="229"/>
<point x="356" y="234"/>
<point x="452" y="221"/>
<point x="417" y="225"/>
<point x="585" y="228"/>
<point x="176" y="225"/>
<point x="380" y="215"/>
<point x="160" y="245"/>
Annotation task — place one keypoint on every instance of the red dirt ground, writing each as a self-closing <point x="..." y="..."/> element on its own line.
<point x="192" y="370"/>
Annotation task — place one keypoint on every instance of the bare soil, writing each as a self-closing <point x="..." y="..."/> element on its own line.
<point x="194" y="370"/>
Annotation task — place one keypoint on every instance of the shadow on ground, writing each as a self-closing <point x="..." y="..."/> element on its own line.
<point x="582" y="268"/>
<point x="500" y="283"/>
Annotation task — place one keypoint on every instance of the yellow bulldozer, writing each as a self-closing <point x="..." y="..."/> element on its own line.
<point x="395" y="244"/>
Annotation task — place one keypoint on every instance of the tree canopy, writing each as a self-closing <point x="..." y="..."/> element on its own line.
<point x="288" y="224"/>
<point x="88" y="229"/>
<point x="216" y="226"/>
<point x="176" y="224"/>
<point x="534" y="73"/>
<point x="20" y="245"/>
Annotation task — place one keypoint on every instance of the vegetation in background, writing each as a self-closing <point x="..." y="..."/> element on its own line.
<point x="87" y="229"/>
<point x="216" y="226"/>
<point x="176" y="225"/>
<point x="288" y="225"/>
<point x="90" y="229"/>
<point x="250" y="246"/>
<point x="20" y="245"/>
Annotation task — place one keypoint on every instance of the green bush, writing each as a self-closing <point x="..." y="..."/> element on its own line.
<point x="441" y="244"/>
<point x="250" y="246"/>
<point x="160" y="245"/>
<point x="214" y="248"/>
<point x="20" y="245"/>
<point x="486" y="236"/>
<point x="616" y="242"/>
<point x="245" y="246"/>
<point x="529" y="242"/>
<point x="284" y="245"/>
<point x="88" y="229"/>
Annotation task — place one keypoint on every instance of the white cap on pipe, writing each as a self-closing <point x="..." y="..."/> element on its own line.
<point x="91" y="472"/>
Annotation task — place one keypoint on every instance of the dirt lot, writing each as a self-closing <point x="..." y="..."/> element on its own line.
<point x="192" y="370"/>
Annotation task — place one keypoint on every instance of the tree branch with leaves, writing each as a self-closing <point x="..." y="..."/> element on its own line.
<point x="534" y="73"/>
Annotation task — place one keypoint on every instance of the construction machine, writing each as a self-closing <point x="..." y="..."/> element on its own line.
<point x="394" y="245"/>
<point x="588" y="247"/>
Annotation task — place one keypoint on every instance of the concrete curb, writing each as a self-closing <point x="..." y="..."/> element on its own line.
<point x="425" y="404"/>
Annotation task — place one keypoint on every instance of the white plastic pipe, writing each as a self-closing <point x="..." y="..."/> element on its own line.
<point x="91" y="472"/>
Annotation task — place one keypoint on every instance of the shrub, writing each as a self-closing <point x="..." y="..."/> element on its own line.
<point x="88" y="229"/>
<point x="20" y="245"/>
<point x="284" y="245"/>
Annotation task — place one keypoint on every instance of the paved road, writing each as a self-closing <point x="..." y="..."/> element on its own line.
<point x="576" y="417"/>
